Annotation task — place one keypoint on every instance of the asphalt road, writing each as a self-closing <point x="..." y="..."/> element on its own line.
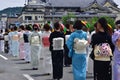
<point x="12" y="68"/>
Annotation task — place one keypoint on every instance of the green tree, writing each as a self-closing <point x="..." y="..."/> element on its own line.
<point x="68" y="18"/>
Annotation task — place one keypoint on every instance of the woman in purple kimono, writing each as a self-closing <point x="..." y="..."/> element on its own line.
<point x="116" y="58"/>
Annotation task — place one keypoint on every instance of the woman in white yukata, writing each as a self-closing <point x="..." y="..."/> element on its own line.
<point x="35" y="43"/>
<point x="47" y="61"/>
<point x="1" y="41"/>
<point x="27" y="44"/>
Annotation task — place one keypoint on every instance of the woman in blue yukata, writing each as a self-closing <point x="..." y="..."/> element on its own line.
<point x="15" y="42"/>
<point x="77" y="44"/>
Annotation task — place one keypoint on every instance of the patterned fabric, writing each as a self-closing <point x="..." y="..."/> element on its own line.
<point x="21" y="45"/>
<point x="103" y="49"/>
<point x="118" y="44"/>
<point x="116" y="57"/>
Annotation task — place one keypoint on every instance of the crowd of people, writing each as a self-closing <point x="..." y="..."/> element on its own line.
<point x="72" y="47"/>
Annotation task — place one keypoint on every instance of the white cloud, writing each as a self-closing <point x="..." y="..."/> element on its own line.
<point x="117" y="2"/>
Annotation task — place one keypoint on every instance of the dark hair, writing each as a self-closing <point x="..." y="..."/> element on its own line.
<point x="95" y="25"/>
<point x="67" y="26"/>
<point x="1" y="31"/>
<point x="6" y="30"/>
<point x="28" y="27"/>
<point x="78" y="25"/>
<point x="15" y="28"/>
<point x="57" y="25"/>
<point x="104" y="25"/>
<point x="117" y="22"/>
<point x="12" y="29"/>
<point x="22" y="27"/>
<point x="46" y="27"/>
<point x="35" y="27"/>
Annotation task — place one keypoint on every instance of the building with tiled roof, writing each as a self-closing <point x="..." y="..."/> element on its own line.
<point x="47" y="10"/>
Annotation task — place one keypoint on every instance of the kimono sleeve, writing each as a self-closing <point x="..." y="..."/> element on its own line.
<point x="51" y="43"/>
<point x="29" y="37"/>
<point x="69" y="44"/>
<point x="115" y="36"/>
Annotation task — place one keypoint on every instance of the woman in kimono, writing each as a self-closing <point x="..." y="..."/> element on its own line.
<point x="116" y="58"/>
<point x="21" y="43"/>
<point x="27" y="44"/>
<point x="1" y="41"/>
<point x="56" y="47"/>
<point x="10" y="40"/>
<point x="102" y="61"/>
<point x="47" y="61"/>
<point x="67" y="59"/>
<point x="15" y="42"/>
<point x="35" y="43"/>
<point x="6" y="49"/>
<point x="78" y="54"/>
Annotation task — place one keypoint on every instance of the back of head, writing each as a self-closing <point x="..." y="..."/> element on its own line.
<point x="78" y="25"/>
<point x="57" y="26"/>
<point x="67" y="26"/>
<point x="28" y="27"/>
<point x="22" y="27"/>
<point x="117" y="23"/>
<point x="104" y="25"/>
<point x="46" y="27"/>
<point x="15" y="28"/>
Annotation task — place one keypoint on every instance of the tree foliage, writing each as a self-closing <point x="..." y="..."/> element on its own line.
<point x="68" y="18"/>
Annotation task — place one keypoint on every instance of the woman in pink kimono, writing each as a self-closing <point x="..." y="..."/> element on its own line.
<point x="21" y="43"/>
<point x="116" y="58"/>
<point x="47" y="61"/>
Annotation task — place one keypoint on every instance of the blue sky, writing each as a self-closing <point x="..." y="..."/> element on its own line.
<point x="13" y="3"/>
